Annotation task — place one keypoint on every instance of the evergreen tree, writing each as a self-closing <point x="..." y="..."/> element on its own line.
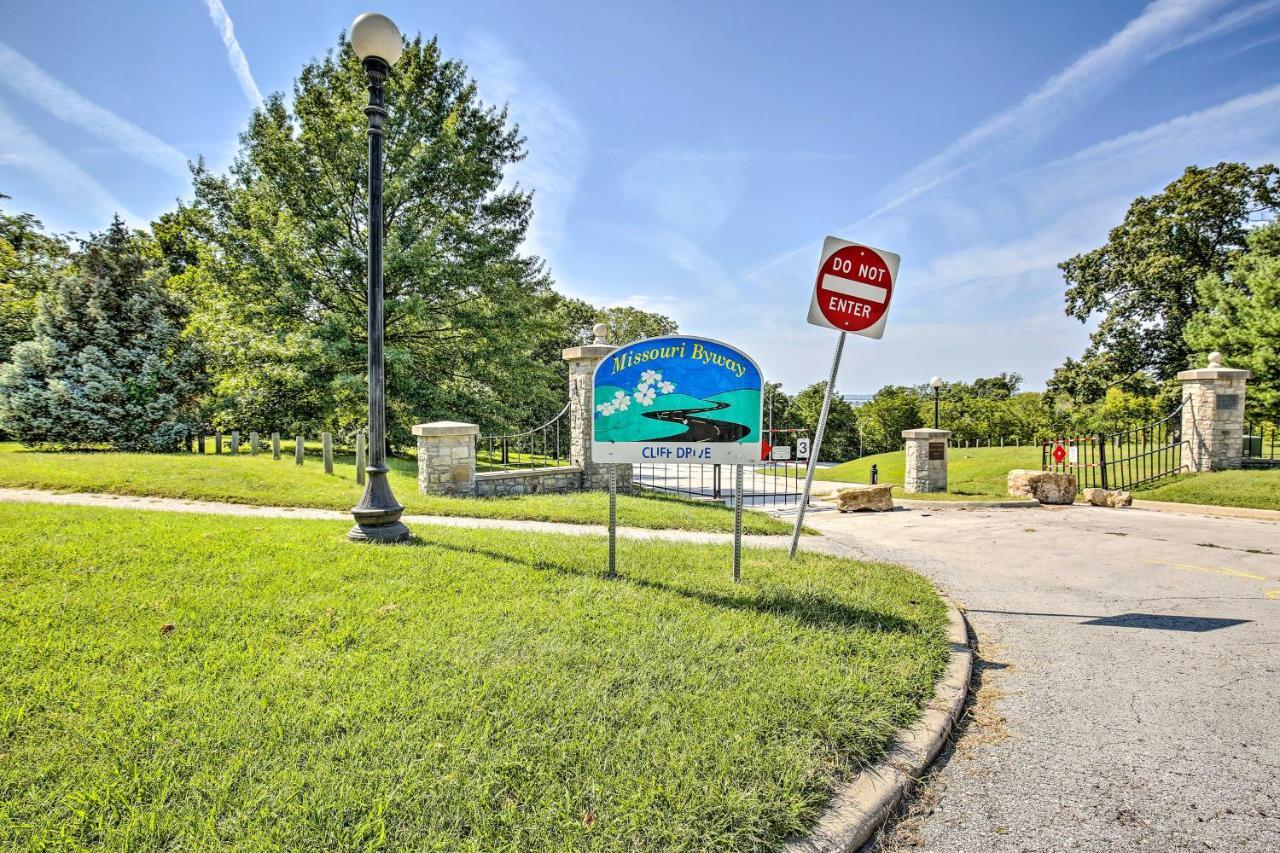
<point x="108" y="363"/>
<point x="1242" y="320"/>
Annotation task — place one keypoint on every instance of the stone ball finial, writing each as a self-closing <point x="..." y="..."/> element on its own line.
<point x="1215" y="359"/>
<point x="601" y="331"/>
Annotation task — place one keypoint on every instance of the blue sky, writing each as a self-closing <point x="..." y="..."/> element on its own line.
<point x="690" y="157"/>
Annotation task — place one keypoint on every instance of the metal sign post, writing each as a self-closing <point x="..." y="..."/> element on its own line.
<point x="737" y="523"/>
<point x="817" y="445"/>
<point x="613" y="519"/>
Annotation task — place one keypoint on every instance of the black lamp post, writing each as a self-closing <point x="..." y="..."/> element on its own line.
<point x="376" y="41"/>
<point x="936" y="384"/>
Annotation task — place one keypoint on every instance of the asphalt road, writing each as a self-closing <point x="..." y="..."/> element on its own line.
<point x="1130" y="677"/>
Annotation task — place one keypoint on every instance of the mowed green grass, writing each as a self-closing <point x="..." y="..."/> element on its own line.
<point x="1259" y="489"/>
<point x="973" y="473"/>
<point x="172" y="681"/>
<point x="262" y="481"/>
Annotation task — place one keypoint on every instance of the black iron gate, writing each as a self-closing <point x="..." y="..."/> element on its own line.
<point x="1119" y="460"/>
<point x="1261" y="447"/>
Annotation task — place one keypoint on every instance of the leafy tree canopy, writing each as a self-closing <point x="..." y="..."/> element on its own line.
<point x="108" y="363"/>
<point x="30" y="261"/>
<point x="1242" y="319"/>
<point x="273" y="255"/>
<point x="1142" y="285"/>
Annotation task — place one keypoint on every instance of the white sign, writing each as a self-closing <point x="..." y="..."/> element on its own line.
<point x="780" y="454"/>
<point x="802" y="448"/>
<point x="854" y="287"/>
<point x="1073" y="454"/>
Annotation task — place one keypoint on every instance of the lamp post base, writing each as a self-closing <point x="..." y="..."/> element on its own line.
<point x="389" y="533"/>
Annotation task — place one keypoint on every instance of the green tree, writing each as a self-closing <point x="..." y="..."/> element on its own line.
<point x="628" y="324"/>
<point x="108" y="363"/>
<point x="840" y="441"/>
<point x="273" y="254"/>
<point x="1142" y="285"/>
<point x="1242" y="319"/>
<point x="882" y="419"/>
<point x="30" y="261"/>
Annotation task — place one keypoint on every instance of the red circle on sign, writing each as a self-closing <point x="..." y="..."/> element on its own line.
<point x="854" y="288"/>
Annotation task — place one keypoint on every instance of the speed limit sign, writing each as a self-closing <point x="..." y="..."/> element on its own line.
<point x="802" y="447"/>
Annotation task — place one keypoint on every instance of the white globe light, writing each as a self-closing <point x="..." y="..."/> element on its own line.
<point x="373" y="34"/>
<point x="936" y="382"/>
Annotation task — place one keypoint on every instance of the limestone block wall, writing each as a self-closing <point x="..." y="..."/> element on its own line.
<point x="530" y="481"/>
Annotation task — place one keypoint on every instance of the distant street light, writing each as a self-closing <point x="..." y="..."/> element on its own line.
<point x="377" y="42"/>
<point x="936" y="384"/>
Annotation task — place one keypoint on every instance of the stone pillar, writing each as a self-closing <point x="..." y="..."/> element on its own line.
<point x="582" y="365"/>
<point x="446" y="458"/>
<point x="1212" y="416"/>
<point x="926" y="451"/>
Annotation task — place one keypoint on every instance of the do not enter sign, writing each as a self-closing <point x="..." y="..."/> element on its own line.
<point x="854" y="288"/>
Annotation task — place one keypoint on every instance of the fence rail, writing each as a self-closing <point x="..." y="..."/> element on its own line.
<point x="545" y="446"/>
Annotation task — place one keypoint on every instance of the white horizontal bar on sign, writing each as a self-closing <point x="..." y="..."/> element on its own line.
<point x="869" y="292"/>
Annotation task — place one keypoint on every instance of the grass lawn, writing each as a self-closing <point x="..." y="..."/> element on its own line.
<point x="973" y="473"/>
<point x="262" y="481"/>
<point x="1259" y="489"/>
<point x="178" y="681"/>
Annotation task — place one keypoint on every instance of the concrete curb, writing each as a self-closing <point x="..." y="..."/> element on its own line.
<point x="861" y="806"/>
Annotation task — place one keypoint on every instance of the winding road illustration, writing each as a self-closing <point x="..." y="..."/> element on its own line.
<point x="699" y="429"/>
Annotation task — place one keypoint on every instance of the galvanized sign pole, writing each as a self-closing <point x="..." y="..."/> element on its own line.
<point x="737" y="523"/>
<point x="613" y="519"/>
<point x="816" y="450"/>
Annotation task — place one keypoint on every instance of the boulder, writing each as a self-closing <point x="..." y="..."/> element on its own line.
<point x="1048" y="487"/>
<point x="877" y="498"/>
<point x="1108" y="497"/>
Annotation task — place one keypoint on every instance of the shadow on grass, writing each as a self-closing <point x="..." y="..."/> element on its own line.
<point x="813" y="610"/>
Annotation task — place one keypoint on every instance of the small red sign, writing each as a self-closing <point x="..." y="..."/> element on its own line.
<point x="854" y="288"/>
<point x="766" y="450"/>
<point x="1059" y="453"/>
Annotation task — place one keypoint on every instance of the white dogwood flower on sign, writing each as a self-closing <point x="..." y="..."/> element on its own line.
<point x="666" y="387"/>
<point x="645" y="395"/>
<point x="649" y="377"/>
<point x="622" y="403"/>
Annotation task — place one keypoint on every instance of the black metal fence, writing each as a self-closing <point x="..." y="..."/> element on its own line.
<point x="545" y="446"/>
<point x="1261" y="445"/>
<point x="1126" y="459"/>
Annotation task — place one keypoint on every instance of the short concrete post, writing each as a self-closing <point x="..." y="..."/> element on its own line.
<point x="253" y="444"/>
<point x="446" y="458"/>
<point x="275" y="445"/>
<point x="1213" y="416"/>
<point x="235" y="442"/>
<point x="326" y="442"/>
<point x="582" y="365"/>
<point x="298" y="450"/>
<point x="360" y="458"/>
<point x="926" y="451"/>
<point x="217" y="442"/>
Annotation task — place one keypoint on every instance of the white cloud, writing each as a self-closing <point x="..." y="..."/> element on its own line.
<point x="556" y="141"/>
<point x="24" y="150"/>
<point x="24" y="78"/>
<point x="690" y="191"/>
<point x="1163" y="26"/>
<point x="235" y="56"/>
